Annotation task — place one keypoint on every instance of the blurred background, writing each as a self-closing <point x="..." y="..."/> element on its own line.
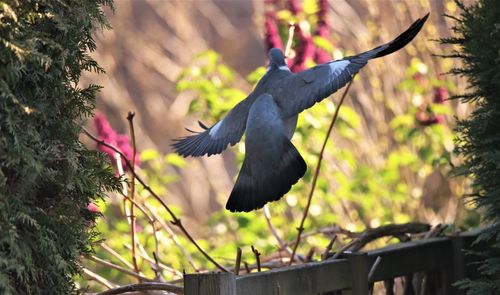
<point x="387" y="161"/>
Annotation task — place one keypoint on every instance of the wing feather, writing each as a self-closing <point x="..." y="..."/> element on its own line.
<point x="302" y="90"/>
<point x="215" y="139"/>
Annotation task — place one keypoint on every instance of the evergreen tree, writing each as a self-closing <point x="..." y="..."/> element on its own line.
<point x="47" y="177"/>
<point x="478" y="38"/>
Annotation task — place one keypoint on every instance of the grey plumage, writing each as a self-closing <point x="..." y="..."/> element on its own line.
<point x="268" y="116"/>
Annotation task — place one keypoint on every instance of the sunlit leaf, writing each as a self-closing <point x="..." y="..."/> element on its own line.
<point x="175" y="160"/>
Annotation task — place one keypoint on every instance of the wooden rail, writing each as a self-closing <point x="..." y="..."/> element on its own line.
<point x="441" y="260"/>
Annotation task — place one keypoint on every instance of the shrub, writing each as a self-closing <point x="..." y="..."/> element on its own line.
<point x="477" y="34"/>
<point x="47" y="176"/>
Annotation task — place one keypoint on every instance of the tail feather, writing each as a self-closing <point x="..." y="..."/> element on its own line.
<point x="254" y="187"/>
<point x="403" y="39"/>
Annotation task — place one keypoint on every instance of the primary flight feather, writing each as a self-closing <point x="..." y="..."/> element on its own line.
<point x="268" y="116"/>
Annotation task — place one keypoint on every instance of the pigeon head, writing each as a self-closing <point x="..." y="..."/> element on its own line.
<point x="276" y="58"/>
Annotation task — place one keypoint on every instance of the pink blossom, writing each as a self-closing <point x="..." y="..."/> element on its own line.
<point x="425" y="116"/>
<point x="440" y="94"/>
<point x="93" y="208"/>
<point x="419" y="78"/>
<point x="323" y="30"/>
<point x="273" y="39"/>
<point x="107" y="134"/>
<point x="294" y="7"/>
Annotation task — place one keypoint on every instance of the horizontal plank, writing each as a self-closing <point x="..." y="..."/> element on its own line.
<point x="410" y="257"/>
<point x="305" y="279"/>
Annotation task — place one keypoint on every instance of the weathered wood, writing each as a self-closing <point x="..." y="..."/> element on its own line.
<point x="305" y="279"/>
<point x="410" y="257"/>
<point x="359" y="273"/>
<point x="210" y="283"/>
<point x="442" y="260"/>
<point x="389" y="287"/>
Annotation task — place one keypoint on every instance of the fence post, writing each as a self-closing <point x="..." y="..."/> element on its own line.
<point x="458" y="245"/>
<point x="210" y="283"/>
<point x="359" y="273"/>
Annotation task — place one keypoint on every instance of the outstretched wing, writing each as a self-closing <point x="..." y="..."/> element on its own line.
<point x="303" y="90"/>
<point x="272" y="164"/>
<point x="216" y="138"/>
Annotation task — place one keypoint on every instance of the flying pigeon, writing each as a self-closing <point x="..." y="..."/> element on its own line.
<point x="269" y="115"/>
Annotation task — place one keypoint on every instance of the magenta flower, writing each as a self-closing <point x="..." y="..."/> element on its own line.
<point x="121" y="141"/>
<point x="323" y="30"/>
<point x="425" y="116"/>
<point x="93" y="208"/>
<point x="305" y="51"/>
<point x="294" y="7"/>
<point x="272" y="35"/>
<point x="440" y="94"/>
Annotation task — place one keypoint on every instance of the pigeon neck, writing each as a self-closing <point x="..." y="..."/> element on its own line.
<point x="280" y="66"/>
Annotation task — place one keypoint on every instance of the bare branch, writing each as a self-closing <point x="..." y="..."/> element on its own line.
<point x="300" y="229"/>
<point x="146" y="257"/>
<point x="115" y="254"/>
<point x="328" y="247"/>
<point x="374" y="268"/>
<point x="273" y="230"/>
<point x="130" y="118"/>
<point x="144" y="287"/>
<point x="257" y="257"/>
<point x="238" y="262"/>
<point x="98" y="278"/>
<point x="175" y="220"/>
<point x="117" y="267"/>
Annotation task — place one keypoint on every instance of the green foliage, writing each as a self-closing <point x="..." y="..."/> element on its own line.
<point x="47" y="177"/>
<point x="360" y="187"/>
<point x="476" y="35"/>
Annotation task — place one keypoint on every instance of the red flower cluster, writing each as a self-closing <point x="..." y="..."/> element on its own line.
<point x="121" y="141"/>
<point x="425" y="116"/>
<point x="440" y="94"/>
<point x="305" y="49"/>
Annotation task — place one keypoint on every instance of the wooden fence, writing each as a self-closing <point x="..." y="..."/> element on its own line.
<point x="438" y="262"/>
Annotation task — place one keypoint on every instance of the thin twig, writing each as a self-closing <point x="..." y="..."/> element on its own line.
<point x="119" y="166"/>
<point x="98" y="278"/>
<point x="130" y="118"/>
<point x="173" y="236"/>
<point x="328" y="248"/>
<point x="119" y="268"/>
<point x="328" y="231"/>
<point x="175" y="220"/>
<point x="238" y="262"/>
<point x="151" y="221"/>
<point x="310" y="254"/>
<point x="144" y="287"/>
<point x="160" y="265"/>
<point x="110" y="250"/>
<point x="257" y="257"/>
<point x="289" y="42"/>
<point x="273" y="230"/>
<point x="372" y="234"/>
<point x="156" y="267"/>
<point x="343" y="249"/>
<point x="300" y="229"/>
<point x="374" y="268"/>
